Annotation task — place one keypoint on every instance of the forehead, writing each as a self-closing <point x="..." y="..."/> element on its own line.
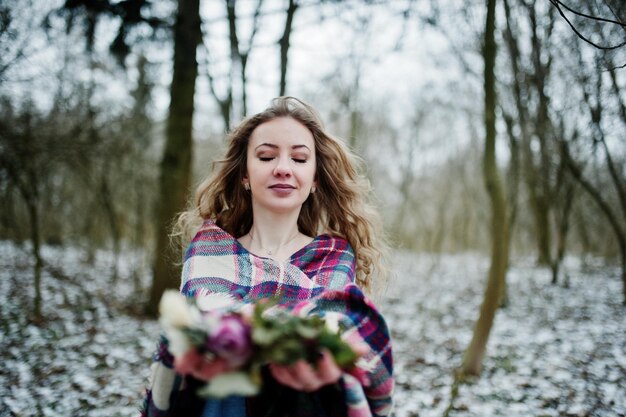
<point x="282" y="132"/>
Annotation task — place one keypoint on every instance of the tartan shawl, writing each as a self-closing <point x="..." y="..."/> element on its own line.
<point x="317" y="279"/>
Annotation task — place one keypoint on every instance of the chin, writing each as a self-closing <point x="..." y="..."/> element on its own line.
<point x="284" y="208"/>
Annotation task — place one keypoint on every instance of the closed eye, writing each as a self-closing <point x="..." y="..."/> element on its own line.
<point x="299" y="160"/>
<point x="266" y="158"/>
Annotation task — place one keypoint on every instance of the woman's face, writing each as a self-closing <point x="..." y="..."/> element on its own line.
<point x="281" y="165"/>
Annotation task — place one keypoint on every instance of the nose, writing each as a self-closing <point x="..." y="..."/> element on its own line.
<point x="283" y="167"/>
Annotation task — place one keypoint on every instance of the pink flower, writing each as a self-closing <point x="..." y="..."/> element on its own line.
<point x="231" y="340"/>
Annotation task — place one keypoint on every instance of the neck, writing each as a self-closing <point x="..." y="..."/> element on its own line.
<point x="271" y="231"/>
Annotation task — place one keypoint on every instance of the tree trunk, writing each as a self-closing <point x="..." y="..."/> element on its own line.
<point x="536" y="165"/>
<point x="107" y="203"/>
<point x="544" y="130"/>
<point x="29" y="190"/>
<point x="596" y="110"/>
<point x="238" y="59"/>
<point x="512" y="186"/>
<point x="617" y="93"/>
<point x="623" y="248"/>
<point x="531" y="175"/>
<point x="620" y="233"/>
<point x="440" y="227"/>
<point x="244" y="58"/>
<point x="543" y="233"/>
<point x="176" y="163"/>
<point x="472" y="361"/>
<point x="138" y="240"/>
<point x="35" y="237"/>
<point x="619" y="184"/>
<point x="284" y="46"/>
<point x="562" y="231"/>
<point x="515" y="141"/>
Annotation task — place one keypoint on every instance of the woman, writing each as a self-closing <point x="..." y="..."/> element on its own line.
<point x="285" y="215"/>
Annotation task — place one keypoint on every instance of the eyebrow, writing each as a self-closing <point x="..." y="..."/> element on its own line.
<point x="271" y="145"/>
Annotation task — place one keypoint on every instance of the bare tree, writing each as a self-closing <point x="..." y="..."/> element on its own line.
<point x="539" y="173"/>
<point x="239" y="56"/>
<point x="33" y="149"/>
<point x="605" y="207"/>
<point x="285" y="44"/>
<point x="472" y="361"/>
<point x="616" y="9"/>
<point x="535" y="125"/>
<point x="13" y="41"/>
<point x="593" y="92"/>
<point x="22" y="163"/>
<point x="564" y="203"/>
<point x="175" y="175"/>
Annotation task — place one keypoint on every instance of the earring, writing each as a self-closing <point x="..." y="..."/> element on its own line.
<point x="313" y="189"/>
<point x="246" y="185"/>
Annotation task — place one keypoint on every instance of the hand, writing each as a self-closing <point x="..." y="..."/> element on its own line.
<point x="304" y="377"/>
<point x="194" y="364"/>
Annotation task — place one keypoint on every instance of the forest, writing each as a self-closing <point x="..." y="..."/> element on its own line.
<point x="493" y="133"/>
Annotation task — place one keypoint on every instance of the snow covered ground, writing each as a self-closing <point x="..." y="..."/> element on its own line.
<point x="554" y="351"/>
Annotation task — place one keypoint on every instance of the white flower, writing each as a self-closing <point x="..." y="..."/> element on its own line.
<point x="233" y="383"/>
<point x="332" y="322"/>
<point x="174" y="310"/>
<point x="178" y="343"/>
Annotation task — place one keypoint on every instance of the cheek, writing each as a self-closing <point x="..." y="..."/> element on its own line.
<point x="307" y="174"/>
<point x="314" y="172"/>
<point x="253" y="171"/>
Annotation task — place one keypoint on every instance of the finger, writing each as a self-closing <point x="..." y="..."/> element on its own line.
<point x="186" y="363"/>
<point x="328" y="372"/>
<point x="283" y="376"/>
<point x="325" y="372"/>
<point x="306" y="377"/>
<point x="299" y="376"/>
<point x="209" y="369"/>
<point x="361" y="348"/>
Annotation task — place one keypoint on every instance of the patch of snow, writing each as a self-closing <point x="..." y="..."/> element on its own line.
<point x="550" y="353"/>
<point x="553" y="351"/>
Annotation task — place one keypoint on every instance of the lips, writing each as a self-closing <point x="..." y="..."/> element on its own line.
<point x="282" y="187"/>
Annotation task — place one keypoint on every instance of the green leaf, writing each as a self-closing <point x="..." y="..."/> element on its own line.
<point x="265" y="336"/>
<point x="196" y="337"/>
<point x="307" y="331"/>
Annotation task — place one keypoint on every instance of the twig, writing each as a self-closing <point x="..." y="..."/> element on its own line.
<point x="588" y="16"/>
<point x="557" y="4"/>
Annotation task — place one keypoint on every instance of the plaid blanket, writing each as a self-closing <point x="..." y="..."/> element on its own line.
<point x="317" y="279"/>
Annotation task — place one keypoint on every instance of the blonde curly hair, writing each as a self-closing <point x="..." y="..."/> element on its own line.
<point x="339" y="207"/>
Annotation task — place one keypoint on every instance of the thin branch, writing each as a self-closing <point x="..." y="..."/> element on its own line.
<point x="594" y="192"/>
<point x="588" y="16"/>
<point x="614" y="68"/>
<point x="225" y="103"/>
<point x="617" y="94"/>
<point x="255" y="25"/>
<point x="557" y="4"/>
